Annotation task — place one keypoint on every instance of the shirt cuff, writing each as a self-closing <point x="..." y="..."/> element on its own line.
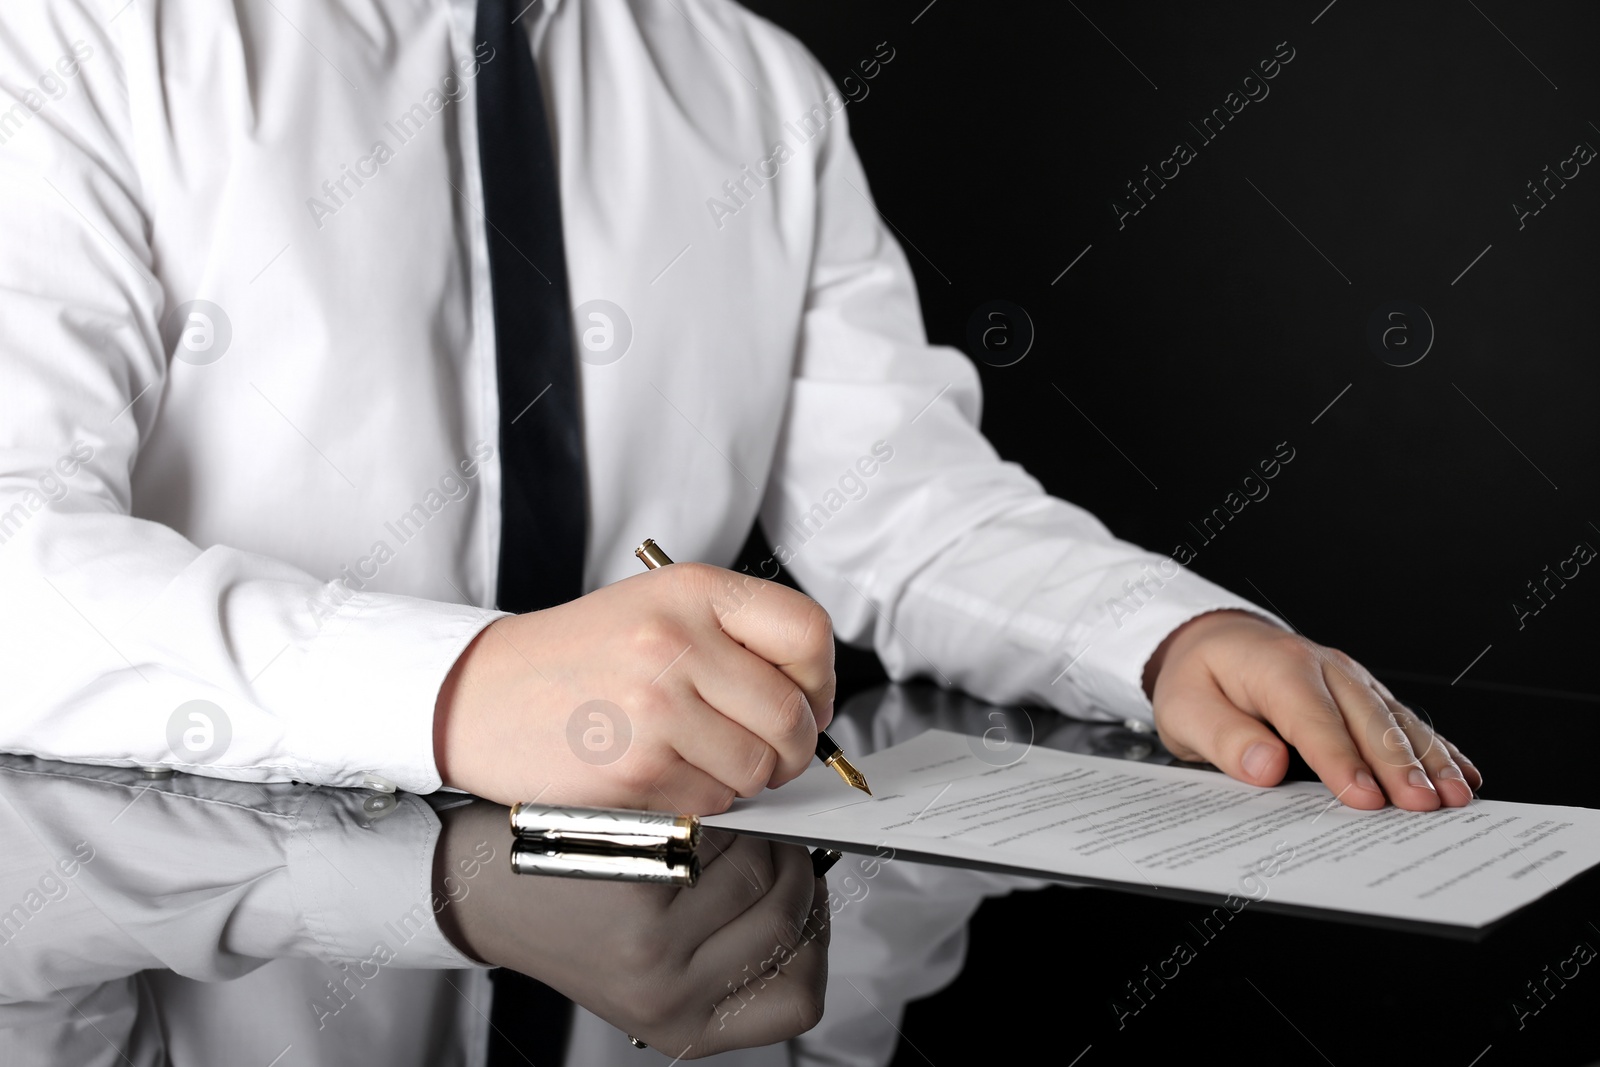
<point x="1160" y="595"/>
<point x="361" y="865"/>
<point x="360" y="694"/>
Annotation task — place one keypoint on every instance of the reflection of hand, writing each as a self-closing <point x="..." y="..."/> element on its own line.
<point x="1222" y="682"/>
<point x="737" y="961"/>
<point x="721" y="682"/>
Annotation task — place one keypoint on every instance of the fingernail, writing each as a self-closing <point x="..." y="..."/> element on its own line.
<point x="1366" y="781"/>
<point x="1452" y="774"/>
<point x="1419" y="778"/>
<point x="1257" y="758"/>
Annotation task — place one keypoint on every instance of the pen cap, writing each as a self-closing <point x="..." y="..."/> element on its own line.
<point x="674" y="868"/>
<point x="605" y="828"/>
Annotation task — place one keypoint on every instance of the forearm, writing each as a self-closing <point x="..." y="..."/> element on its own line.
<point x="301" y="679"/>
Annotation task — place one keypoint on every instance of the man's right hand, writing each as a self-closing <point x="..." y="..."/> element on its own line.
<point x="676" y="689"/>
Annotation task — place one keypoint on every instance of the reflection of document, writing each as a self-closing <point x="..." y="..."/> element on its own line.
<point x="1088" y="819"/>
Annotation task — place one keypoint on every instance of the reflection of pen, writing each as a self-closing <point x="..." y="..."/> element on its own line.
<point x="617" y="844"/>
<point x="828" y="751"/>
<point x="530" y="857"/>
<point x="610" y="843"/>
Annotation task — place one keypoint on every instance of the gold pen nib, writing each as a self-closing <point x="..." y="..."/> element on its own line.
<point x="850" y="775"/>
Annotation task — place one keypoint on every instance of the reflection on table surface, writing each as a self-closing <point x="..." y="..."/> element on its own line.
<point x="192" y="920"/>
<point x="164" y="912"/>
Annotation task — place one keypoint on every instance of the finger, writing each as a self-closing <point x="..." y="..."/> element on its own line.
<point x="789" y="1006"/>
<point x="1382" y="741"/>
<point x="1293" y="696"/>
<point x="781" y="625"/>
<point x="719" y="841"/>
<point x="1446" y="774"/>
<point x="770" y="964"/>
<point x="679" y="787"/>
<point x="762" y="699"/>
<point x="720" y="746"/>
<point x="823" y="714"/>
<point x="1198" y="721"/>
<point x="1474" y="777"/>
<point x="736" y="873"/>
<point x="778" y="918"/>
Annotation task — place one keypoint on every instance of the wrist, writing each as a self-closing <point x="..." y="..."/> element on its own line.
<point x="1184" y="635"/>
<point x="448" y="709"/>
<point x="460" y="855"/>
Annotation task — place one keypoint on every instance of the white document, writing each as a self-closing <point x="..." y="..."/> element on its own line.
<point x="1094" y="820"/>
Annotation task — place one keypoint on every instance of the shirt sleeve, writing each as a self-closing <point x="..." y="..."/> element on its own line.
<point x="893" y="511"/>
<point x="115" y="626"/>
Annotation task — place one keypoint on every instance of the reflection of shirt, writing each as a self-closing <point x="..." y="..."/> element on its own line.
<point x="206" y="922"/>
<point x="248" y="430"/>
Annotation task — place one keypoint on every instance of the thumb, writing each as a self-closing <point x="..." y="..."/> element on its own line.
<point x="1196" y="721"/>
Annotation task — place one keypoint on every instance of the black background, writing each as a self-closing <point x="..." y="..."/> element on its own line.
<point x="1208" y="330"/>
<point x="1224" y="318"/>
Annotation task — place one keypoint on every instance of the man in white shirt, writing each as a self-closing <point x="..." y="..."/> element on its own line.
<point x="250" y="433"/>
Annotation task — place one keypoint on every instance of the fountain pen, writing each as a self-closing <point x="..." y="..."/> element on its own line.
<point x="828" y="750"/>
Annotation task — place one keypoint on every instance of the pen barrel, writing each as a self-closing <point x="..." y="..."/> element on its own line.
<point x="605" y="829"/>
<point x="651" y="556"/>
<point x="675" y="868"/>
<point x="827" y="747"/>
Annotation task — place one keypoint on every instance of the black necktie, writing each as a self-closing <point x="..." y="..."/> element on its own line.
<point x="543" y="501"/>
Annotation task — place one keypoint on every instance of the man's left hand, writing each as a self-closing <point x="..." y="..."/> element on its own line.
<point x="1223" y="682"/>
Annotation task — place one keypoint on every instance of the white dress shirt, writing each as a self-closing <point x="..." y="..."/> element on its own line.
<point x="290" y="509"/>
<point x="284" y="500"/>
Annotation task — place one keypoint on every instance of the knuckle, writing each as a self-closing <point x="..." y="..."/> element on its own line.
<point x="657" y="637"/>
<point x="793" y="714"/>
<point x="763" y="873"/>
<point x="813" y="630"/>
<point x="693" y="573"/>
<point x="716" y="800"/>
<point x="1431" y="747"/>
<point x="763" y="761"/>
<point x="699" y="580"/>
<point x="643" y="954"/>
<point x="1316" y="720"/>
<point x="1409" y="719"/>
<point x="778" y="927"/>
<point x="640" y="770"/>
<point x="734" y="592"/>
<point x="1218" y="739"/>
<point x="649" y="702"/>
<point x="807" y="1009"/>
<point x="1297" y="651"/>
